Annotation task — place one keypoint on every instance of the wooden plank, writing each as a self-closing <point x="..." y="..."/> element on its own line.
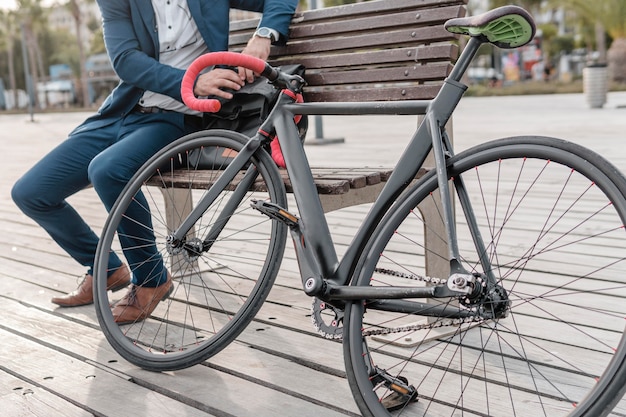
<point x="53" y="330"/>
<point x="88" y="386"/>
<point x="370" y="78"/>
<point x="409" y="55"/>
<point x="373" y="7"/>
<point x="409" y="92"/>
<point x="378" y="22"/>
<point x="21" y="398"/>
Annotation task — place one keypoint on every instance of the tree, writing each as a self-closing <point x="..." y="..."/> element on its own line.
<point x="8" y="29"/>
<point x="32" y="18"/>
<point x="74" y="7"/>
<point x="531" y="5"/>
<point x="606" y="16"/>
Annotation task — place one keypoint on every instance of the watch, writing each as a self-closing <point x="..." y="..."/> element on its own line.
<point x="268" y="33"/>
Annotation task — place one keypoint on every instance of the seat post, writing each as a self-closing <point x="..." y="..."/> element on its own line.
<point x="465" y="59"/>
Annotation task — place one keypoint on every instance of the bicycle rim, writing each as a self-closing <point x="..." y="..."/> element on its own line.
<point x="551" y="216"/>
<point x="217" y="289"/>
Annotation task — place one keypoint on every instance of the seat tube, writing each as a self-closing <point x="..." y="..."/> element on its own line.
<point x="313" y="223"/>
<point x="444" y="187"/>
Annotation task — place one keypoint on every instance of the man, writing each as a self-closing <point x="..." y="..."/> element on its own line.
<point x="150" y="43"/>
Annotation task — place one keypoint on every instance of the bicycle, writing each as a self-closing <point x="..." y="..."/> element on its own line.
<point x="529" y="320"/>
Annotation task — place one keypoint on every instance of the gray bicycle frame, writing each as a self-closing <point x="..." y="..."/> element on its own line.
<point x="322" y="273"/>
<point x="430" y="134"/>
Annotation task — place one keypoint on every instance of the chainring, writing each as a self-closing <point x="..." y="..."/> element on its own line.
<point x="327" y="319"/>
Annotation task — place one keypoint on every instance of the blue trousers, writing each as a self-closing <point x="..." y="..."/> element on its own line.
<point x="106" y="158"/>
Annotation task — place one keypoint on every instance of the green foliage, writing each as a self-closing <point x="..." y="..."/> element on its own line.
<point x="609" y="13"/>
<point x="564" y="44"/>
<point x="554" y="44"/>
<point x="61" y="48"/>
<point x="97" y="43"/>
<point x="529" y="5"/>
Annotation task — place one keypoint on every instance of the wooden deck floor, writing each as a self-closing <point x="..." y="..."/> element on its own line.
<point x="56" y="362"/>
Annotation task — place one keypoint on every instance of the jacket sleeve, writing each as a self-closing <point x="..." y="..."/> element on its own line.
<point x="133" y="53"/>
<point x="277" y="14"/>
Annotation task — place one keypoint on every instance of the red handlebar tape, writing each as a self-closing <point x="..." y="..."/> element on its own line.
<point x="214" y="58"/>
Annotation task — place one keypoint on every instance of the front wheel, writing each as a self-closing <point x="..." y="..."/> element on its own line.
<point x="551" y="215"/>
<point x="222" y="270"/>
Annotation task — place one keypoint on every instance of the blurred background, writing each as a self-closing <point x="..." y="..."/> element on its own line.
<point x="52" y="55"/>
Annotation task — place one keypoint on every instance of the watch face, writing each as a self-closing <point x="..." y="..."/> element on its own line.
<point x="264" y="33"/>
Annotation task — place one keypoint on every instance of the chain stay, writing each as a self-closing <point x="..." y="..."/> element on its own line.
<point x="416" y="327"/>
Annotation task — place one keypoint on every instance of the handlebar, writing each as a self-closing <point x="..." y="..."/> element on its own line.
<point x="219" y="58"/>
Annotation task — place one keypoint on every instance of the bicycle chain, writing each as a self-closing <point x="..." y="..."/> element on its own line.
<point x="429" y="326"/>
<point x="414" y="277"/>
<point x="416" y="327"/>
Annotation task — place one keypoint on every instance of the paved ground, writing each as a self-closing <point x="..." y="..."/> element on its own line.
<point x="381" y="138"/>
<point x="478" y="119"/>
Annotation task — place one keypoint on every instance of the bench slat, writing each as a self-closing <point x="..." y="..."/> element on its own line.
<point x="413" y="92"/>
<point x="375" y="8"/>
<point x="373" y="77"/>
<point x="409" y="55"/>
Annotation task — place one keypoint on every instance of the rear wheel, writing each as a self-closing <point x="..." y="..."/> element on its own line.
<point x="551" y="215"/>
<point x="219" y="283"/>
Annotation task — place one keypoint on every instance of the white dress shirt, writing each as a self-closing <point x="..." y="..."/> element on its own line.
<point x="180" y="43"/>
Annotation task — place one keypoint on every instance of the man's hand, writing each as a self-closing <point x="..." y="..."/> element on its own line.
<point x="259" y="48"/>
<point x="212" y="83"/>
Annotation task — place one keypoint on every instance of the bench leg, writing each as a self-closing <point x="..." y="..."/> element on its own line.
<point x="178" y="204"/>
<point x="435" y="242"/>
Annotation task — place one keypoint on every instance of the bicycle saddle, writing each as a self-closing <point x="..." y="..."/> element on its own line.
<point x="506" y="27"/>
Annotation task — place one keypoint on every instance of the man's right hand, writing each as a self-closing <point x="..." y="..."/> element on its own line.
<point x="213" y="82"/>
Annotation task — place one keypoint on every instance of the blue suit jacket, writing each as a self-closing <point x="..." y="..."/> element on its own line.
<point x="130" y="35"/>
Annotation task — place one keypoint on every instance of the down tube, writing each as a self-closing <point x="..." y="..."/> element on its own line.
<point x="312" y="220"/>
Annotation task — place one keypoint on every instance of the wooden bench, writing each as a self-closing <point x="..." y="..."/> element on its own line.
<point x="382" y="50"/>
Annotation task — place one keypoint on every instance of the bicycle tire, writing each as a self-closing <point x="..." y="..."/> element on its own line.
<point x="216" y="293"/>
<point x="551" y="214"/>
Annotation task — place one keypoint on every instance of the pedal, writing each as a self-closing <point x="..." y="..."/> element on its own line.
<point x="275" y="212"/>
<point x="401" y="393"/>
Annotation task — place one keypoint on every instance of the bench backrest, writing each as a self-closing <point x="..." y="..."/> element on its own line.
<point x="371" y="51"/>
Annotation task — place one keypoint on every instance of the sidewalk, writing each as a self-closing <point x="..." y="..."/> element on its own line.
<point x="378" y="140"/>
<point x="478" y="119"/>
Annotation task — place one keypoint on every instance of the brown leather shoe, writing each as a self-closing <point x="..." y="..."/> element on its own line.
<point x="83" y="295"/>
<point x="139" y="302"/>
